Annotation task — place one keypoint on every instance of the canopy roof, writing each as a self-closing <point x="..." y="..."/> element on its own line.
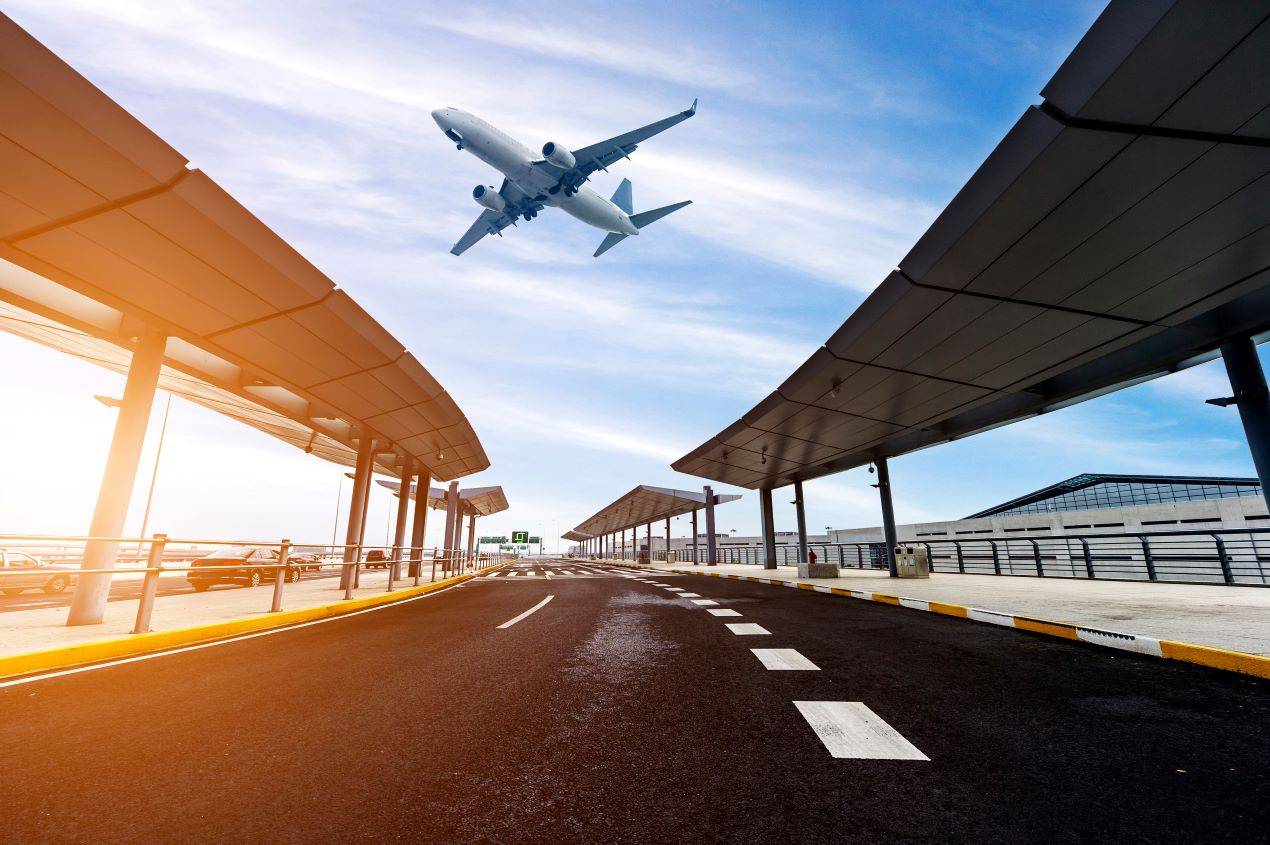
<point x="575" y="536"/>
<point x="1120" y="231"/>
<point x="476" y="501"/>
<point x="643" y="505"/>
<point x="105" y="231"/>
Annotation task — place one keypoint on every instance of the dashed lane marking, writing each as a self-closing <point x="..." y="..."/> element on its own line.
<point x="747" y="629"/>
<point x="722" y="611"/>
<point x="850" y="730"/>
<point x="784" y="660"/>
<point x="703" y="602"/>
<point x="690" y="595"/>
<point x="515" y="619"/>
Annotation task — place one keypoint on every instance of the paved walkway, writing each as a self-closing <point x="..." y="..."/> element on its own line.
<point x="1235" y="618"/>
<point x="23" y="631"/>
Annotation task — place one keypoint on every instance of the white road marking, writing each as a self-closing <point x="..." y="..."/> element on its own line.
<point x="690" y="595"/>
<point x="745" y="629"/>
<point x="721" y="611"/>
<point x="784" y="659"/>
<point x="547" y="572"/>
<point x="850" y="730"/>
<point x="703" y="602"/>
<point x="139" y="657"/>
<point x="515" y="619"/>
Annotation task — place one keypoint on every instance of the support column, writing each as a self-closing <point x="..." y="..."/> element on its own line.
<point x="357" y="506"/>
<point x="471" y="533"/>
<point x="667" y="539"/>
<point x="403" y="510"/>
<point x="888" y="515"/>
<point x="451" y="517"/>
<point x="88" y="604"/>
<point x="769" y="527"/>
<point x="1248" y="381"/>
<point x="648" y="539"/>
<point x="712" y="558"/>
<point x="695" y="560"/>
<point x="422" y="488"/>
<point x="802" y="521"/>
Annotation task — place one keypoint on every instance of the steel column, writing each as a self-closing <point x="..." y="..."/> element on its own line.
<point x="357" y="508"/>
<point x="769" y="527"/>
<point x="451" y="517"/>
<point x="1248" y="381"/>
<point x="888" y="515"/>
<point x="802" y="521"/>
<point x="423" y="487"/>
<point x="403" y="510"/>
<point x="667" y="539"/>
<point x="695" y="559"/>
<point x="88" y="604"/>
<point x="711" y="547"/>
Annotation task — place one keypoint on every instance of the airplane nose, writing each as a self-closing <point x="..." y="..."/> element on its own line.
<point x="439" y="115"/>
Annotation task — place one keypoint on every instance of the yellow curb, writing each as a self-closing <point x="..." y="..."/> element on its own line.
<point x="1217" y="658"/>
<point x="131" y="645"/>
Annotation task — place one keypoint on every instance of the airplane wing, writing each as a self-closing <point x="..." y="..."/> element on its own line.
<point x="599" y="156"/>
<point x="494" y="222"/>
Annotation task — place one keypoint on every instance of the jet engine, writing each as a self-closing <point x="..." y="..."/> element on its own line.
<point x="488" y="197"/>
<point x="558" y="155"/>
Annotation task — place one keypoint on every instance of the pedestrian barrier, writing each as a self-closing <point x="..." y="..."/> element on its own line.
<point x="48" y="563"/>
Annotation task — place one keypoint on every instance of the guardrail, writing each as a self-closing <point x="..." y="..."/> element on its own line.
<point x="25" y="563"/>
<point x="1235" y="556"/>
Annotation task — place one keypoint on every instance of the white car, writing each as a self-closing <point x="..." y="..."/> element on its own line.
<point x="20" y="571"/>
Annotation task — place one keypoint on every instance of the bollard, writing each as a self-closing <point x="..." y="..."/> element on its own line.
<point x="280" y="576"/>
<point x="154" y="565"/>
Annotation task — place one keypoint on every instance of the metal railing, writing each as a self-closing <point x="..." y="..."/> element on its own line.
<point x="55" y="559"/>
<point x="1235" y="556"/>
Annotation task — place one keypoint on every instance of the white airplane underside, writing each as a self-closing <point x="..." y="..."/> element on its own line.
<point x="556" y="179"/>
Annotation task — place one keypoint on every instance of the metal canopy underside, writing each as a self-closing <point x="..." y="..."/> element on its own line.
<point x="473" y="501"/>
<point x="575" y="536"/>
<point x="1118" y="232"/>
<point x="646" y="504"/>
<point x="106" y="230"/>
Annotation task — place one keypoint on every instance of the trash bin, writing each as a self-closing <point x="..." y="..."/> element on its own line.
<point x="911" y="561"/>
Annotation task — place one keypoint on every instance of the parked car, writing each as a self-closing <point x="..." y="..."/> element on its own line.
<point x="306" y="562"/>
<point x="252" y="573"/>
<point x="377" y="559"/>
<point x="28" y="572"/>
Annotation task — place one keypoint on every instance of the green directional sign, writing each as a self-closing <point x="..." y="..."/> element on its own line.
<point x="492" y="541"/>
<point x="520" y="537"/>
<point x="533" y="541"/>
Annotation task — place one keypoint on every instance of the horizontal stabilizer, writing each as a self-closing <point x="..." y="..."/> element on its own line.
<point x="611" y="240"/>
<point x="645" y="217"/>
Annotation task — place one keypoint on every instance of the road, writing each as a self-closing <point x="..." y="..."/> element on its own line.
<point x="620" y="711"/>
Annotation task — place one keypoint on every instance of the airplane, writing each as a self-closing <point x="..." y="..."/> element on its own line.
<point x="557" y="179"/>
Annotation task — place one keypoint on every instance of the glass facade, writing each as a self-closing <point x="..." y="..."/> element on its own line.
<point x="1115" y="494"/>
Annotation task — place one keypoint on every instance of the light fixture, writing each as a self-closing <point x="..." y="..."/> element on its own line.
<point x="764" y="455"/>
<point x="833" y="388"/>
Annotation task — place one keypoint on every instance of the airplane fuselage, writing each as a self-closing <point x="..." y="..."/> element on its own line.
<point x="515" y="161"/>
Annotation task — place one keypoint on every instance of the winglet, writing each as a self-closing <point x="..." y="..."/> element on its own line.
<point x="691" y="109"/>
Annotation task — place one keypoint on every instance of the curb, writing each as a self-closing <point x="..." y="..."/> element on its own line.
<point x="1215" y="658"/>
<point x="131" y="645"/>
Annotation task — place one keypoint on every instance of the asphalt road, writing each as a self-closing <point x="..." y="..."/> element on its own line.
<point x="619" y="712"/>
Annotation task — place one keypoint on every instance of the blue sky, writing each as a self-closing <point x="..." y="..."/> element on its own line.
<point x="829" y="136"/>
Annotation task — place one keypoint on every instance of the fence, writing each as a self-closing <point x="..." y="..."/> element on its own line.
<point x="52" y="565"/>
<point x="1228" y="556"/>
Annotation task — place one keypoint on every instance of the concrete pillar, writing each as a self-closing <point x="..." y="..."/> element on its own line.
<point x="648" y="535"/>
<point x="1248" y="382"/>
<point x="403" y="510"/>
<point x="471" y="533"/>
<point x="769" y="527"/>
<point x="451" y="517"/>
<point x="694" y="537"/>
<point x="888" y="515"/>
<point x="420" y="524"/>
<point x="668" y="539"/>
<point x="712" y="557"/>
<point x="357" y="506"/>
<point x="88" y="604"/>
<point x="802" y="521"/>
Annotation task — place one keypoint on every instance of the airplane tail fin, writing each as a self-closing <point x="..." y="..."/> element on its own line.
<point x="644" y="218"/>
<point x="622" y="196"/>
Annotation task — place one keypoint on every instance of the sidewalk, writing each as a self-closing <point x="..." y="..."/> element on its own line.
<point x="1233" y="618"/>
<point x="23" y="631"/>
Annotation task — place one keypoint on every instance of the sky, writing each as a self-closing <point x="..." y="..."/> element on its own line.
<point x="829" y="136"/>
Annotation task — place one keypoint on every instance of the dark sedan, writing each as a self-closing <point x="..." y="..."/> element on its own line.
<point x="250" y="567"/>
